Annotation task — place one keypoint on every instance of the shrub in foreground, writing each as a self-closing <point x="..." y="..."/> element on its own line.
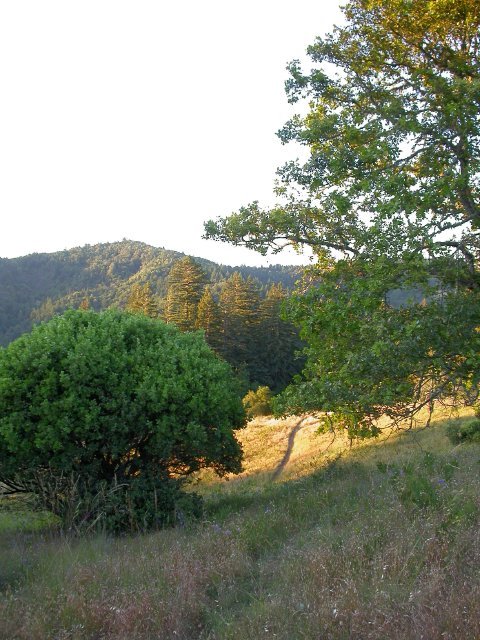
<point x="103" y="416"/>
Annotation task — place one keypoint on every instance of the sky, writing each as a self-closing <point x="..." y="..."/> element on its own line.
<point x="142" y="119"/>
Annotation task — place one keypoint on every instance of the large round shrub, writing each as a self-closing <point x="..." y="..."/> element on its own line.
<point x="103" y="415"/>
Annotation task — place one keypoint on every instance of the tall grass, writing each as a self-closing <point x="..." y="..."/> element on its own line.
<point x="378" y="542"/>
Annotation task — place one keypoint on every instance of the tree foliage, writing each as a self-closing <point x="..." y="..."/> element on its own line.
<point x="239" y="304"/>
<point x="186" y="282"/>
<point x="389" y="198"/>
<point x="141" y="301"/>
<point x="209" y="319"/>
<point x="118" y="405"/>
<point x="279" y="342"/>
<point x="258" y="402"/>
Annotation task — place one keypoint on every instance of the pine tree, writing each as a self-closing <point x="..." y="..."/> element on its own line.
<point x="141" y="301"/>
<point x="209" y="319"/>
<point x="186" y="282"/>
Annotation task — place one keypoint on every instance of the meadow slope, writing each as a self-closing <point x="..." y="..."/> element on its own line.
<point x="377" y="541"/>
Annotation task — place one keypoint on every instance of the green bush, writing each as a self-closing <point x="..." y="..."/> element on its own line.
<point x="103" y="416"/>
<point x="464" y="431"/>
<point x="258" y="403"/>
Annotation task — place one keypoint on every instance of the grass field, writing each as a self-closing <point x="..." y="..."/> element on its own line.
<point x="378" y="541"/>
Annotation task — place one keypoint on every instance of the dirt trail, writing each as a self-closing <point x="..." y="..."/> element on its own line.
<point x="286" y="457"/>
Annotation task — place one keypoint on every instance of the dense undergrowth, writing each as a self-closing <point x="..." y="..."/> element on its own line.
<point x="381" y="541"/>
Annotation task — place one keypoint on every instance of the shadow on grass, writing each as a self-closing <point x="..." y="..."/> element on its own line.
<point x="258" y="507"/>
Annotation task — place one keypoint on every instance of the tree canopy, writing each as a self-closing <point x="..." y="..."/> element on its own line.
<point x="388" y="199"/>
<point x="114" y="404"/>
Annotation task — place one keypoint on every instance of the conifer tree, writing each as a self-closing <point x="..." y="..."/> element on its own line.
<point x="239" y="303"/>
<point x="186" y="282"/>
<point x="209" y="319"/>
<point x="141" y="301"/>
<point x="278" y="342"/>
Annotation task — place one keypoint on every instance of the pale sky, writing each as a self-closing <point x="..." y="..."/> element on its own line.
<point x="142" y="119"/>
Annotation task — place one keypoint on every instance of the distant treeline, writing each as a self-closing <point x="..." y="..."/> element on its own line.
<point x="238" y="308"/>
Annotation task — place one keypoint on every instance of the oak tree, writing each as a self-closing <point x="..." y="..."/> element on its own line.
<point x="388" y="199"/>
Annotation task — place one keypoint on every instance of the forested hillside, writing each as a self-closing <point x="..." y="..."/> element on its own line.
<point x="238" y="307"/>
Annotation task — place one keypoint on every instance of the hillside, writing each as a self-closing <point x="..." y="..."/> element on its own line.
<point x="34" y="287"/>
<point x="377" y="541"/>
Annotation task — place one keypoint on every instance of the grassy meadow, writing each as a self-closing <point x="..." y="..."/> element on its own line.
<point x="380" y="540"/>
